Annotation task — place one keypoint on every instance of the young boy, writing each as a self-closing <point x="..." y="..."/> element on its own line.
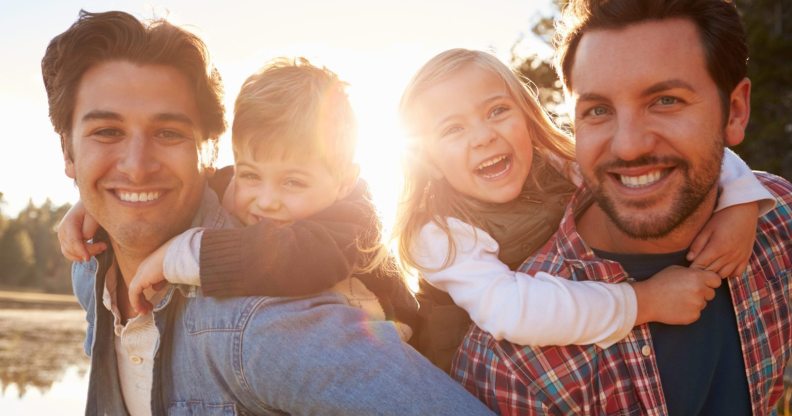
<point x="309" y="223"/>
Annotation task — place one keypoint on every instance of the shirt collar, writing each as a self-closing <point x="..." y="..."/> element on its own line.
<point x="574" y="249"/>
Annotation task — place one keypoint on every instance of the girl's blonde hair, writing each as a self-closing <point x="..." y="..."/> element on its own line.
<point x="424" y="200"/>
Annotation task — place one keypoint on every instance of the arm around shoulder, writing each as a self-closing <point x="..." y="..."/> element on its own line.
<point x="528" y="310"/>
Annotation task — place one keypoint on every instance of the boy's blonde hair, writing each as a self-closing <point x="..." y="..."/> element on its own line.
<point x="291" y="108"/>
<point x="424" y="200"/>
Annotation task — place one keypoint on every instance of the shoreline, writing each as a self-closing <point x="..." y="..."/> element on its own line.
<point x="14" y="299"/>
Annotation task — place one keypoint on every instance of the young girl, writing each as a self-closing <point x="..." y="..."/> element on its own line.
<point x="486" y="186"/>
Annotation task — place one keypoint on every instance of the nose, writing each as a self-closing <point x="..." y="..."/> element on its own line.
<point x="139" y="160"/>
<point x="268" y="200"/>
<point x="631" y="139"/>
<point x="482" y="135"/>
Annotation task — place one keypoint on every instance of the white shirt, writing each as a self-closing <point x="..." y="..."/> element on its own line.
<point x="135" y="345"/>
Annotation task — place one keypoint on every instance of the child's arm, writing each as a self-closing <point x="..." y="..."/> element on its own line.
<point x="548" y="310"/>
<point x="725" y="243"/>
<point x="300" y="258"/>
<point x="176" y="262"/>
<point x="74" y="231"/>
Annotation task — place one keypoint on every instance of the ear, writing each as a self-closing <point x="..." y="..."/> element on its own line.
<point x="739" y="113"/>
<point x="349" y="181"/>
<point x="67" y="160"/>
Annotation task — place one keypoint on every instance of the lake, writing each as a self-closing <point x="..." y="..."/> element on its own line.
<point x="43" y="369"/>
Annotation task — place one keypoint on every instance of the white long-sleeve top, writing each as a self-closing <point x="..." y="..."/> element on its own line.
<point x="544" y="309"/>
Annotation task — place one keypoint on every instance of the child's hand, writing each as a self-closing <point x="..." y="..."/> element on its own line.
<point x="725" y="243"/>
<point x="149" y="275"/>
<point x="76" y="227"/>
<point x="675" y="296"/>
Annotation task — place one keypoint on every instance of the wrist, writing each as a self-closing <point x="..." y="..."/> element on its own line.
<point x="644" y="306"/>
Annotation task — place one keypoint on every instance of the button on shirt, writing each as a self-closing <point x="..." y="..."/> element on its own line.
<point x="135" y="345"/>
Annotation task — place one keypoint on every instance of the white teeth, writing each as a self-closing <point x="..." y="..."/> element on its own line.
<point x="639" y="181"/>
<point x="138" y="196"/>
<point x="490" y="162"/>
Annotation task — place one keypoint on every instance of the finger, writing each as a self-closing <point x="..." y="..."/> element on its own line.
<point x="70" y="254"/>
<point x="739" y="270"/>
<point x="712" y="280"/>
<point x="144" y="306"/>
<point x="159" y="285"/>
<point x="698" y="244"/>
<point x="96" y="248"/>
<point x="727" y="270"/>
<point x="137" y="299"/>
<point x="719" y="264"/>
<point x="709" y="294"/>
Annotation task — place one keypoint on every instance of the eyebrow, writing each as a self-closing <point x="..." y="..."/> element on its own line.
<point x="111" y="115"/>
<point x="667" y="85"/>
<point x="292" y="171"/>
<point x="651" y="90"/>
<point x="101" y="115"/>
<point x="495" y="97"/>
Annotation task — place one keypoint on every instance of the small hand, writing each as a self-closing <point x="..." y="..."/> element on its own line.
<point x="74" y="231"/>
<point x="725" y="244"/>
<point x="149" y="275"/>
<point x="676" y="295"/>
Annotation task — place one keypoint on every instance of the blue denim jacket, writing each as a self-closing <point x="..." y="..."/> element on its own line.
<point x="265" y="355"/>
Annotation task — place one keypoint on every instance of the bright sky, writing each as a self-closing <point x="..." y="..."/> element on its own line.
<point x="374" y="45"/>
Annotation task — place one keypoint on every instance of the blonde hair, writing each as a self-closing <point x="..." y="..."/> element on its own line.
<point x="291" y="108"/>
<point x="297" y="109"/>
<point x="424" y="200"/>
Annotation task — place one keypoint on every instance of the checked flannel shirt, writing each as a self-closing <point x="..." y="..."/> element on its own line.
<point x="623" y="379"/>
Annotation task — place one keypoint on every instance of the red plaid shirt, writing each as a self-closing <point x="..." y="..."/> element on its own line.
<point x="624" y="379"/>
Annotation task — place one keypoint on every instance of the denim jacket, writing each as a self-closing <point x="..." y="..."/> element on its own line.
<point x="264" y="355"/>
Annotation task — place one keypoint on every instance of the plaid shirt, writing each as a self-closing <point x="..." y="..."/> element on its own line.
<point x="624" y="379"/>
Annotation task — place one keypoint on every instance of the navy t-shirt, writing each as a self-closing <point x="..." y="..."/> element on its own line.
<point x="701" y="365"/>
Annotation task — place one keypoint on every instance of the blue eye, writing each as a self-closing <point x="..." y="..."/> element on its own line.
<point x="666" y="100"/>
<point x="597" y="111"/>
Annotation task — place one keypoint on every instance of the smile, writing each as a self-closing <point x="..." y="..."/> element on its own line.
<point x="644" y="180"/>
<point x="494" y="168"/>
<point x="138" y="196"/>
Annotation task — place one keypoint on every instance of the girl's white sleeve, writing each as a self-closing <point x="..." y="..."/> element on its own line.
<point x="182" y="260"/>
<point x="527" y="310"/>
<point x="739" y="185"/>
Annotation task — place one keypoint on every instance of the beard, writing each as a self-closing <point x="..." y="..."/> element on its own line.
<point x="655" y="223"/>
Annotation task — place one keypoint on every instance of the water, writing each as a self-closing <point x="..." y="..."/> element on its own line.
<point x="43" y="369"/>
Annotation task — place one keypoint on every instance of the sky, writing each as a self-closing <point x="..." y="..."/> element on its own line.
<point x="374" y="45"/>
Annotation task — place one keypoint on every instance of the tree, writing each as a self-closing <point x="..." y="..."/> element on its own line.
<point x="768" y="143"/>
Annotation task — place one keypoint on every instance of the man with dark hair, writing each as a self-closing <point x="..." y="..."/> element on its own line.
<point x="138" y="110"/>
<point x="658" y="88"/>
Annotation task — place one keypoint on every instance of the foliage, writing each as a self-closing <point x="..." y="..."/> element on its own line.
<point x="768" y="23"/>
<point x="30" y="256"/>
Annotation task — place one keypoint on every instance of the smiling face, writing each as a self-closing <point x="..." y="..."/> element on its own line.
<point x="475" y="134"/>
<point x="135" y="159"/>
<point x="648" y="124"/>
<point x="283" y="189"/>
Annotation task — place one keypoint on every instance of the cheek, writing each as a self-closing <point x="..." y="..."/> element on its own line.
<point x="449" y="160"/>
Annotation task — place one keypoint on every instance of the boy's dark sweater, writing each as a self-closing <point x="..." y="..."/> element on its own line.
<point x="302" y="258"/>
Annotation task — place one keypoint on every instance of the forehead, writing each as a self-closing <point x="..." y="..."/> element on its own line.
<point x="282" y="159"/>
<point x="641" y="54"/>
<point x="460" y="91"/>
<point x="133" y="91"/>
